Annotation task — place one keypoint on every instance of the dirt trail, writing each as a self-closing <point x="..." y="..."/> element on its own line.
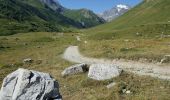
<point x="72" y="54"/>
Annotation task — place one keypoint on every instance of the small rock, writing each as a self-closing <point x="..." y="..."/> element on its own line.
<point x="128" y="92"/>
<point x="28" y="60"/>
<point x="126" y="40"/>
<point x="166" y="59"/>
<point x="111" y="85"/>
<point x="29" y="85"/>
<point x="138" y="34"/>
<point x="85" y="42"/>
<point x="161" y="87"/>
<point x="75" y="69"/>
<point x="25" y="44"/>
<point x="124" y="91"/>
<point x="78" y="38"/>
<point x="103" y="71"/>
<point x="38" y="47"/>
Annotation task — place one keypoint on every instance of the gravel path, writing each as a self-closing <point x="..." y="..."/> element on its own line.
<point x="72" y="54"/>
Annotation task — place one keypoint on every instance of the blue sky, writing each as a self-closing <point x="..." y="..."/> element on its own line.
<point x="97" y="6"/>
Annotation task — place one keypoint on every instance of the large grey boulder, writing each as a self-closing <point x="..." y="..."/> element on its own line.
<point x="75" y="69"/>
<point x="103" y="71"/>
<point x="29" y="85"/>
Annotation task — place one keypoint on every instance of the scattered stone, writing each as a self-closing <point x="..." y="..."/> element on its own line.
<point x="124" y="91"/>
<point x="111" y="85"/>
<point x="103" y="71"/>
<point x="85" y="42"/>
<point x="78" y="38"/>
<point x="29" y="85"/>
<point x="128" y="92"/>
<point x="75" y="69"/>
<point x="138" y="34"/>
<point x="60" y="34"/>
<point x="126" y="40"/>
<point x="25" y="44"/>
<point x="161" y="87"/>
<point x="28" y="60"/>
<point x="166" y="59"/>
<point x="17" y="39"/>
<point x="38" y="47"/>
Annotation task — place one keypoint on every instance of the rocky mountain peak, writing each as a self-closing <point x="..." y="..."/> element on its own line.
<point x="114" y="12"/>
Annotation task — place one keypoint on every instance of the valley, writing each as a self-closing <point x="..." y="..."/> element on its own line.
<point x="138" y="42"/>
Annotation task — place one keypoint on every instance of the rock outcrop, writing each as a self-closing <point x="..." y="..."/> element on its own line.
<point x="103" y="71"/>
<point x="29" y="85"/>
<point x="75" y="69"/>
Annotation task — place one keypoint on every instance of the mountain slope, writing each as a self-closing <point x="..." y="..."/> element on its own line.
<point x="115" y="12"/>
<point x="37" y="15"/>
<point x="21" y="16"/>
<point x="151" y="17"/>
<point x="86" y="17"/>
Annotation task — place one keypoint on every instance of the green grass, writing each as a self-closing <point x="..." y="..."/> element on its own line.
<point x="151" y="12"/>
<point x="136" y="35"/>
<point x="49" y="47"/>
<point x="118" y="39"/>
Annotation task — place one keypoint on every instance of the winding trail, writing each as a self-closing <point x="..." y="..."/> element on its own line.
<point x="72" y="54"/>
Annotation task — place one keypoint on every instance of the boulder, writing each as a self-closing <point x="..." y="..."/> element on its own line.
<point x="75" y="69"/>
<point x="103" y="71"/>
<point x="29" y="85"/>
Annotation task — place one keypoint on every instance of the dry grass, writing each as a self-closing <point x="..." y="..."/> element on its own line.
<point x="133" y="49"/>
<point x="49" y="48"/>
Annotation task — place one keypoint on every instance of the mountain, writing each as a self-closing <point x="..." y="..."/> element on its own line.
<point x="38" y="15"/>
<point x="115" y="12"/>
<point x="86" y="17"/>
<point x="31" y="15"/>
<point x="151" y="18"/>
<point x="54" y="4"/>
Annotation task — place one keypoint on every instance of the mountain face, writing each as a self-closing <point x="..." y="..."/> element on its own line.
<point x="85" y="17"/>
<point x="115" y="12"/>
<point x="31" y="15"/>
<point x="54" y="4"/>
<point x="150" y="17"/>
<point x="41" y="15"/>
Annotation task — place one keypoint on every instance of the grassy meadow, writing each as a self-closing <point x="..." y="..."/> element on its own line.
<point x="143" y="33"/>
<point x="46" y="50"/>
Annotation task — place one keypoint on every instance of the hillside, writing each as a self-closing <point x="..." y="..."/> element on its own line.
<point x="86" y="17"/>
<point x="18" y="16"/>
<point x="150" y="17"/>
<point x="138" y="43"/>
<point x="135" y="35"/>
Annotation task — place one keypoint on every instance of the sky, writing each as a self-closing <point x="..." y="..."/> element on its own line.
<point x="98" y="6"/>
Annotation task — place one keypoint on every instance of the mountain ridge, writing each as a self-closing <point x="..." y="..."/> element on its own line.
<point x="115" y="12"/>
<point x="37" y="15"/>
